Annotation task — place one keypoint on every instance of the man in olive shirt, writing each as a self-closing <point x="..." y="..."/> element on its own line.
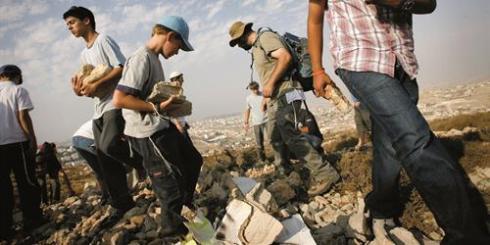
<point x="271" y="61"/>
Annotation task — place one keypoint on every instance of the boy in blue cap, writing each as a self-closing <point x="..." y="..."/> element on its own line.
<point x="17" y="154"/>
<point x="170" y="160"/>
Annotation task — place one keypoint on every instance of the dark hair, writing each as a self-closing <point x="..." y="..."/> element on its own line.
<point x="253" y="85"/>
<point x="81" y="13"/>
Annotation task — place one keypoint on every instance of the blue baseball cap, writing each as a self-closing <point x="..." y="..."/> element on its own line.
<point x="178" y="25"/>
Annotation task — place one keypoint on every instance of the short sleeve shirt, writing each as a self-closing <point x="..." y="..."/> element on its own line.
<point x="141" y="71"/>
<point x="13" y="99"/>
<point x="254" y="102"/>
<point x="267" y="43"/>
<point x="85" y="130"/>
<point x="104" y="51"/>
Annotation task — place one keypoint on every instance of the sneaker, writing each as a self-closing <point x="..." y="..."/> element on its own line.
<point x="324" y="184"/>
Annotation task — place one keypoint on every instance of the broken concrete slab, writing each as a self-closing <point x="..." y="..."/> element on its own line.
<point x="295" y="231"/>
<point x="237" y="212"/>
<point x="262" y="199"/>
<point x="245" y="185"/>
<point x="244" y="223"/>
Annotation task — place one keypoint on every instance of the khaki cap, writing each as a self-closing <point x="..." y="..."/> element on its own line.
<point x="237" y="30"/>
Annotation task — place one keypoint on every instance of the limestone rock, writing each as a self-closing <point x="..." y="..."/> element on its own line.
<point x="282" y="191"/>
<point x="402" y="236"/>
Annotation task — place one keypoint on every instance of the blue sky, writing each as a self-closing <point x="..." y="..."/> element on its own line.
<point x="452" y="46"/>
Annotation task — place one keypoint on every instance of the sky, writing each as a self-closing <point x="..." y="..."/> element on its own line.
<point x="452" y="46"/>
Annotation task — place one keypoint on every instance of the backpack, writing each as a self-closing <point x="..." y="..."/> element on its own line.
<point x="298" y="48"/>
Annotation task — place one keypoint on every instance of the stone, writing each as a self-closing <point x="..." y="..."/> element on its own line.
<point x="261" y="229"/>
<point x="237" y="212"/>
<point x="328" y="233"/>
<point x="401" y="235"/>
<point x="152" y="234"/>
<point x="244" y="223"/>
<point x="134" y="212"/>
<point x="70" y="200"/>
<point x="117" y="238"/>
<point x="262" y="199"/>
<point x="326" y="216"/>
<point x="357" y="226"/>
<point x="294" y="179"/>
<point x="282" y="191"/>
<point x="245" y="185"/>
<point x="295" y="232"/>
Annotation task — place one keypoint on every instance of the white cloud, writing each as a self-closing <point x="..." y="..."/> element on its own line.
<point x="14" y="11"/>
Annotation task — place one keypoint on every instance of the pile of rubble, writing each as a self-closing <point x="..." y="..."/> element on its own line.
<point x="239" y="202"/>
<point x="264" y="210"/>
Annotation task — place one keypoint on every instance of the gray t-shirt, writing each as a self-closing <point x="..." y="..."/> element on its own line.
<point x="103" y="51"/>
<point x="141" y="71"/>
<point x="254" y="102"/>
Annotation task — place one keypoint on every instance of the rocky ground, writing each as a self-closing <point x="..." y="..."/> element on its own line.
<point x="332" y="218"/>
<point x="277" y="202"/>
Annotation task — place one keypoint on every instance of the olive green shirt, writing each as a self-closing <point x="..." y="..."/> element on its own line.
<point x="267" y="43"/>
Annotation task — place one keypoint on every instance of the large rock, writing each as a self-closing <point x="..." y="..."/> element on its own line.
<point x="295" y="232"/>
<point x="262" y="199"/>
<point x="282" y="191"/>
<point x="357" y="226"/>
<point x="247" y="224"/>
<point x="402" y="236"/>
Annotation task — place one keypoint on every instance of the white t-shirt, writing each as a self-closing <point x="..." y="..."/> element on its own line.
<point x="254" y="102"/>
<point x="13" y="98"/>
<point x="104" y="51"/>
<point x="141" y="71"/>
<point x="85" y="131"/>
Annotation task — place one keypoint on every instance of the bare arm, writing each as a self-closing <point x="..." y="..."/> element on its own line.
<point x="284" y="59"/>
<point x="316" y="12"/>
<point x="26" y="126"/>
<point x="246" y="116"/>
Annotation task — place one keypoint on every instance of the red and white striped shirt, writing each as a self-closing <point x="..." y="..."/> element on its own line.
<point x="367" y="37"/>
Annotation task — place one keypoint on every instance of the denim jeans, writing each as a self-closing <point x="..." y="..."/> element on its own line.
<point x="402" y="138"/>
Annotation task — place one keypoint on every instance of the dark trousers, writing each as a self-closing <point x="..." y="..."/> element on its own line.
<point x="259" y="131"/>
<point x="402" y="138"/>
<point x="86" y="149"/>
<point x="15" y="157"/>
<point x="173" y="164"/>
<point x="112" y="152"/>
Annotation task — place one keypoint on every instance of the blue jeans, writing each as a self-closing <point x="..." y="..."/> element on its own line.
<point x="402" y="138"/>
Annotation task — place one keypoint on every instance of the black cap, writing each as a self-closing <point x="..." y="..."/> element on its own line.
<point x="10" y="70"/>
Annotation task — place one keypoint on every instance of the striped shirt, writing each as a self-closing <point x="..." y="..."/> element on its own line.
<point x="366" y="37"/>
